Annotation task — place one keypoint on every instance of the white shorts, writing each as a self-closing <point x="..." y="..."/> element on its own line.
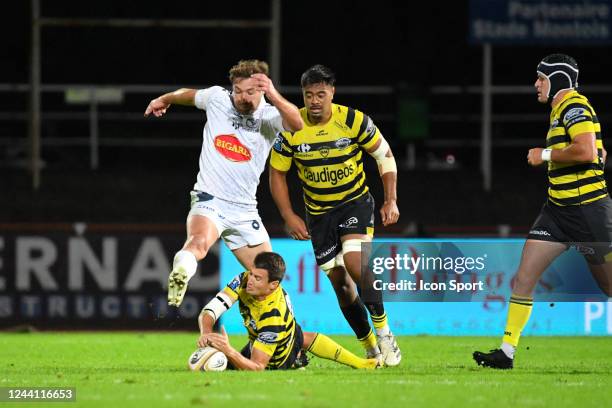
<point x="238" y="225"/>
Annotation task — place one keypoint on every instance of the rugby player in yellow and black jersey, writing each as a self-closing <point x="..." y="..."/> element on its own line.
<point x="329" y="153"/>
<point x="276" y="341"/>
<point x="578" y="209"/>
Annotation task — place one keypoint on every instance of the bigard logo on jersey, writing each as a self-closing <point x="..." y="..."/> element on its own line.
<point x="231" y="148"/>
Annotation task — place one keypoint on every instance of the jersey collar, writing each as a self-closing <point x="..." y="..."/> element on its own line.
<point x="567" y="96"/>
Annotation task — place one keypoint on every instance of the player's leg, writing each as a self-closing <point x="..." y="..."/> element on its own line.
<point x="356" y="226"/>
<point x="322" y="346"/>
<point x="246" y="254"/>
<point x="202" y="233"/>
<point x="247" y="237"/>
<point x="536" y="257"/>
<point x="351" y="248"/>
<point x="597" y="220"/>
<point x="603" y="276"/>
<point x="354" y="310"/>
<point x="328" y="254"/>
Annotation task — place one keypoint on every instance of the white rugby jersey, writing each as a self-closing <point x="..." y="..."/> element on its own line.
<point x="235" y="147"/>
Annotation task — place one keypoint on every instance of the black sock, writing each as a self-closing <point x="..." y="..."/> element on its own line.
<point x="376" y="309"/>
<point x="357" y="317"/>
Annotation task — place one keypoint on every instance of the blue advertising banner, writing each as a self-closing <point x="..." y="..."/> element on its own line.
<point x="316" y="307"/>
<point x="563" y="22"/>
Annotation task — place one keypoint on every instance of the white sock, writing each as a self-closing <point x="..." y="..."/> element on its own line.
<point x="508" y="349"/>
<point x="384" y="331"/>
<point x="187" y="260"/>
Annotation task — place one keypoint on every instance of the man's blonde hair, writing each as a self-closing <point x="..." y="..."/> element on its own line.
<point x="246" y="68"/>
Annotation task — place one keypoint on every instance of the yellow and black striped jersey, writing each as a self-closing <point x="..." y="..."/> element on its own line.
<point x="570" y="183"/>
<point x="270" y="322"/>
<point x="329" y="157"/>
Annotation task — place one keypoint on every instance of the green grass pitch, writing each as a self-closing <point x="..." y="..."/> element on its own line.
<point x="149" y="370"/>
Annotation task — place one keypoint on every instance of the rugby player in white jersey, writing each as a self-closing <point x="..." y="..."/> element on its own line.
<point x="239" y="132"/>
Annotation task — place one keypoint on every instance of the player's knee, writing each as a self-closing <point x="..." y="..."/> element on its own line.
<point x="353" y="245"/>
<point x="199" y="245"/>
<point x="342" y="283"/>
<point x="523" y="283"/>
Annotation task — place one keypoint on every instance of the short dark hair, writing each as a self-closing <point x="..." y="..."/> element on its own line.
<point x="318" y="74"/>
<point x="273" y="263"/>
<point x="564" y="58"/>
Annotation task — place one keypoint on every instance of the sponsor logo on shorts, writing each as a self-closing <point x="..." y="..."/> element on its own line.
<point x="328" y="251"/>
<point x="584" y="250"/>
<point x="350" y="223"/>
<point x="205" y="207"/>
<point x="232" y="149"/>
<point x="539" y="232"/>
<point x="255" y="225"/>
<point x="267" y="337"/>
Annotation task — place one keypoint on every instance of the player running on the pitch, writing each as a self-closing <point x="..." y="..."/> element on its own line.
<point x="276" y="340"/>
<point x="578" y="209"/>
<point x="328" y="153"/>
<point x="237" y="138"/>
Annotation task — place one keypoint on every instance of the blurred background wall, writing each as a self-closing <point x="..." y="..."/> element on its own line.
<point x="106" y="173"/>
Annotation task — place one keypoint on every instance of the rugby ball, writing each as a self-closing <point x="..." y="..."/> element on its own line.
<point x="207" y="359"/>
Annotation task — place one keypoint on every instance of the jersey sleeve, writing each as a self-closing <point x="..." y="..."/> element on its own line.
<point x="268" y="337"/>
<point x="577" y="118"/>
<point x="367" y="133"/>
<point x="235" y="286"/>
<point x="282" y="153"/>
<point x="273" y="119"/>
<point x="203" y="96"/>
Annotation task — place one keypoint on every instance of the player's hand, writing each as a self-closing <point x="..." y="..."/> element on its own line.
<point x="220" y="341"/>
<point x="534" y="157"/>
<point x="264" y="84"/>
<point x="204" y="340"/>
<point x="296" y="228"/>
<point x="157" y="107"/>
<point x="389" y="212"/>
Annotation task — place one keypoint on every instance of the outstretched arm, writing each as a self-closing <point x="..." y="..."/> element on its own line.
<point x="292" y="120"/>
<point x="159" y="105"/>
<point x="388" y="173"/>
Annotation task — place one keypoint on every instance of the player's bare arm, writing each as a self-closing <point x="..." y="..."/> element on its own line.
<point x="258" y="362"/>
<point x="280" y="193"/>
<point x="581" y="150"/>
<point x="388" y="173"/>
<point x="292" y="120"/>
<point x="206" y="323"/>
<point x="160" y="105"/>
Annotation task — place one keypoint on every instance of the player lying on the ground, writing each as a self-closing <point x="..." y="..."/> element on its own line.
<point x="237" y="138"/>
<point x="578" y="209"/>
<point x="276" y="341"/>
